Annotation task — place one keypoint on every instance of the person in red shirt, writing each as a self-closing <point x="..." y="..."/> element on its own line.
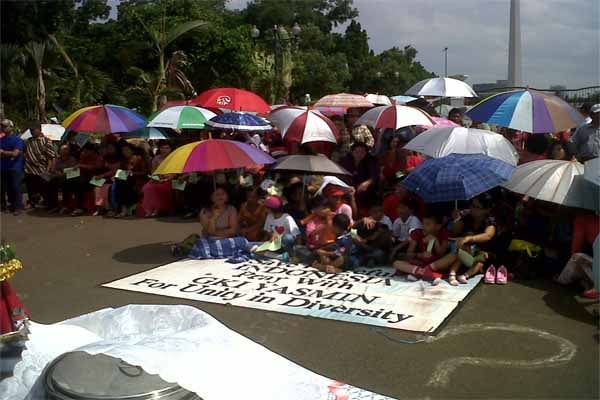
<point x="425" y="246"/>
<point x="586" y="227"/>
<point x="392" y="200"/>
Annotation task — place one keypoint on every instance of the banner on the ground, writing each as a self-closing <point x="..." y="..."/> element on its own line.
<point x="367" y="296"/>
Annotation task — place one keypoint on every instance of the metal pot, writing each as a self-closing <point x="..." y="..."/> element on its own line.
<point x="82" y="376"/>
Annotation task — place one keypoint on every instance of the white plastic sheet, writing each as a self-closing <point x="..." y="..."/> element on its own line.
<point x="180" y="343"/>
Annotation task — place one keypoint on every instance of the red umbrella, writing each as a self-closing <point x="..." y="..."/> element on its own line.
<point x="232" y="99"/>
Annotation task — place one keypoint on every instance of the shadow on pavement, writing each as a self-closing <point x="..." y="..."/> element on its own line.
<point x="152" y="253"/>
<point x="562" y="299"/>
<point x="177" y="220"/>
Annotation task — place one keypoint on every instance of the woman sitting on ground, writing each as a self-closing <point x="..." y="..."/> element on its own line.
<point x="220" y="220"/>
<point x="111" y="162"/>
<point x="252" y="215"/>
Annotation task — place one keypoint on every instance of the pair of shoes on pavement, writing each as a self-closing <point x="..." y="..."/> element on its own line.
<point x="498" y="276"/>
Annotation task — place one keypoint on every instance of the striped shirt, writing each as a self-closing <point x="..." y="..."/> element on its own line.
<point x="38" y="152"/>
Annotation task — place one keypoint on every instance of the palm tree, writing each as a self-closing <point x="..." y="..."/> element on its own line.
<point x="161" y="38"/>
<point x="78" y="81"/>
<point x="36" y="51"/>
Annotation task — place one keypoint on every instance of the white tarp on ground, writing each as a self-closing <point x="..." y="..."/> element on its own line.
<point x="181" y="344"/>
<point x="367" y="296"/>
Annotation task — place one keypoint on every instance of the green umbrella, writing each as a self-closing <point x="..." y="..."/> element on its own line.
<point x="181" y="117"/>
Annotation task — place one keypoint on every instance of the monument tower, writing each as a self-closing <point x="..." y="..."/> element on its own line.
<point x="514" y="45"/>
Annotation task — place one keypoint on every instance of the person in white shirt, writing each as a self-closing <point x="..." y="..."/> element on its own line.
<point x="280" y="224"/>
<point x="404" y="225"/>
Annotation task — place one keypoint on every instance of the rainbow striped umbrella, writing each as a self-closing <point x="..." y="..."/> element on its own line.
<point x="528" y="111"/>
<point x="106" y="119"/>
<point x="211" y="155"/>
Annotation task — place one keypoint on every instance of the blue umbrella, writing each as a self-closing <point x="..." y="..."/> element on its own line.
<point x="457" y="177"/>
<point x="238" y="121"/>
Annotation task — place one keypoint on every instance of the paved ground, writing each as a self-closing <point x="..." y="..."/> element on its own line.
<point x="66" y="259"/>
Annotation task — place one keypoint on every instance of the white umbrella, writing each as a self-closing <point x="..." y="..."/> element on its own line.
<point x="394" y="117"/>
<point x="556" y="181"/>
<point x="302" y="126"/>
<point x="378" y="99"/>
<point x="444" y="87"/>
<point x="51" y="131"/>
<point x="181" y="117"/>
<point x="442" y="141"/>
<point x="591" y="170"/>
<point x="331" y="180"/>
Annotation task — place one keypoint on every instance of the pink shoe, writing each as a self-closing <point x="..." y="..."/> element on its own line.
<point x="490" y="275"/>
<point x="501" y="276"/>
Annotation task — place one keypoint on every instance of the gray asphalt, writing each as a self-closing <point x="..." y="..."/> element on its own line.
<point x="66" y="259"/>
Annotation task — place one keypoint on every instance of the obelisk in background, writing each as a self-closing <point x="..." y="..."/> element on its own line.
<point x="514" y="45"/>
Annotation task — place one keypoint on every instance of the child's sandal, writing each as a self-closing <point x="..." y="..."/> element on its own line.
<point x="452" y="279"/>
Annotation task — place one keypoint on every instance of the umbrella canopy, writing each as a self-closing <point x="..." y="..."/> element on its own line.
<point x="181" y="117"/>
<point x="591" y="171"/>
<point x="232" y="99"/>
<point x="331" y="180"/>
<point x="528" y="111"/>
<point x="211" y="155"/>
<point x="313" y="165"/>
<point x="394" y="117"/>
<point x="440" y="142"/>
<point x="343" y="100"/>
<point x="332" y="111"/>
<point x="441" y="121"/>
<point x="147" y="134"/>
<point x="401" y="100"/>
<point x="557" y="181"/>
<point x="303" y="126"/>
<point x="105" y="119"/>
<point x="457" y="177"/>
<point x="378" y="99"/>
<point x="51" y="131"/>
<point x="239" y="121"/>
<point x="444" y="87"/>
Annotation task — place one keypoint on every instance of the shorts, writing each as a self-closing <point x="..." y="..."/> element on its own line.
<point x="350" y="263"/>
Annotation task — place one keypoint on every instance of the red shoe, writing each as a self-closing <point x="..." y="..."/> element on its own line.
<point x="428" y="274"/>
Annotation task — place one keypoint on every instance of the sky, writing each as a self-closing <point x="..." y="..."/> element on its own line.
<point x="560" y="38"/>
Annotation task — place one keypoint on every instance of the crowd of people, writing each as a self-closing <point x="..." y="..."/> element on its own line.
<point x="370" y="220"/>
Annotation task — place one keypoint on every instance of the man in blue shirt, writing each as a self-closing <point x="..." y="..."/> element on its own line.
<point x="11" y="168"/>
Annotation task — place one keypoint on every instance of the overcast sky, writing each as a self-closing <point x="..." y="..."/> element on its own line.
<point x="560" y="38"/>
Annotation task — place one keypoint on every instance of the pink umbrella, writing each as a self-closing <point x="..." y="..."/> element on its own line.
<point x="302" y="126"/>
<point x="394" y="117"/>
<point x="441" y="121"/>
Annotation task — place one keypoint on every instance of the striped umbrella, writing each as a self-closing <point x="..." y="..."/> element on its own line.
<point x="332" y="111"/>
<point x="528" y="111"/>
<point x="457" y="177"/>
<point x="239" y="121"/>
<point x="147" y="134"/>
<point x="344" y="100"/>
<point x="181" y="117"/>
<point x="105" y="119"/>
<point x="556" y="181"/>
<point x="302" y="126"/>
<point x="394" y="117"/>
<point x="211" y="155"/>
<point x="442" y="87"/>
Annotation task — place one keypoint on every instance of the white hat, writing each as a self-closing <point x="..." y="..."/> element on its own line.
<point x="595" y="108"/>
<point x="54" y="119"/>
<point x="7" y="122"/>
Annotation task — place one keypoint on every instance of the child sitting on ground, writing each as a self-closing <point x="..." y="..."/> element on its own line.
<point x="280" y="224"/>
<point x="425" y="246"/>
<point x="339" y="258"/>
<point x="377" y="214"/>
<point x="374" y="243"/>
<point x="318" y="224"/>
<point x="403" y="226"/>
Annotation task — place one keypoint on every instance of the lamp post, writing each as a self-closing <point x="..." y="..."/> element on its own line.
<point x="282" y="44"/>
<point x="445" y="61"/>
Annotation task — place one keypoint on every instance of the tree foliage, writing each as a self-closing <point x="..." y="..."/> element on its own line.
<point x="60" y="55"/>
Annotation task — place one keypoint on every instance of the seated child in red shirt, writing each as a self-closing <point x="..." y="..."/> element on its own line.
<point x="425" y="246"/>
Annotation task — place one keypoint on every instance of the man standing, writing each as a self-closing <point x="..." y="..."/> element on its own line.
<point x="39" y="159"/>
<point x="586" y="139"/>
<point x="11" y="168"/>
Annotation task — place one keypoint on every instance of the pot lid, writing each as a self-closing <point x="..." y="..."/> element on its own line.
<point x="80" y="375"/>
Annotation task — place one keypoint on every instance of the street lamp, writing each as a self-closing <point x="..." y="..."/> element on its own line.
<point x="396" y="74"/>
<point x="296" y="30"/>
<point x="378" y="74"/>
<point x="255" y="32"/>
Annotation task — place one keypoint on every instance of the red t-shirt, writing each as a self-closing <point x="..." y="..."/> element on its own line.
<point x="585" y="230"/>
<point x="418" y="235"/>
<point x="390" y="206"/>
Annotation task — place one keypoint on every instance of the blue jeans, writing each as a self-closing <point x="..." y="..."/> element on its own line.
<point x="287" y="243"/>
<point x="10" y="187"/>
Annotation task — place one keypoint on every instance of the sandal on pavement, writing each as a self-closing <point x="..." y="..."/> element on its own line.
<point x="490" y="275"/>
<point x="501" y="276"/>
<point x="452" y="279"/>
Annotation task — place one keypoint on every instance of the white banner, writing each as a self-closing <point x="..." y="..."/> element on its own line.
<point x="366" y="296"/>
